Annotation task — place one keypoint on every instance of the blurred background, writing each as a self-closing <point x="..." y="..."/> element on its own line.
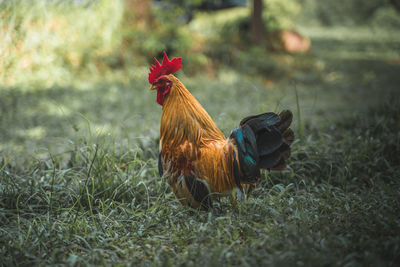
<point x="76" y="67"/>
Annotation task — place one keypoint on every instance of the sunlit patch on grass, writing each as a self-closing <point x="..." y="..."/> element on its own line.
<point x="333" y="76"/>
<point x="102" y="129"/>
<point x="32" y="133"/>
<point x="53" y="108"/>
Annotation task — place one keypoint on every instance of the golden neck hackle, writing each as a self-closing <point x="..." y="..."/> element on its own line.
<point x="184" y="119"/>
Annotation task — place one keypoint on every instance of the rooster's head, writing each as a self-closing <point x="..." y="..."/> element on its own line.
<point x="158" y="76"/>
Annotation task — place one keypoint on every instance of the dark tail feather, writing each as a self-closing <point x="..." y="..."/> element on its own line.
<point x="286" y="118"/>
<point x="257" y="122"/>
<point x="263" y="142"/>
<point x="288" y="136"/>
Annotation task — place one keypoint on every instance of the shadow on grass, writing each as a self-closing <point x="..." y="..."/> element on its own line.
<point x="362" y="62"/>
<point x="40" y="117"/>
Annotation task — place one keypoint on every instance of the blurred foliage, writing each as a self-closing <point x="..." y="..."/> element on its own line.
<point x="280" y="15"/>
<point x="44" y="40"/>
<point x="277" y="15"/>
<point x="73" y="36"/>
<point x="162" y="32"/>
<point x="387" y="17"/>
<point x="232" y="44"/>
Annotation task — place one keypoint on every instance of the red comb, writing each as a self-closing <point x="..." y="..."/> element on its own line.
<point x="167" y="67"/>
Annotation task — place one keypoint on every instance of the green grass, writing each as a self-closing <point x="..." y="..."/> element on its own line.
<point x="79" y="182"/>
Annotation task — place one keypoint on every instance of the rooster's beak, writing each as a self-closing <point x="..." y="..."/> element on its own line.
<point x="153" y="87"/>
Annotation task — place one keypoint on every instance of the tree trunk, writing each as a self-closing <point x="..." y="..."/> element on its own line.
<point x="257" y="26"/>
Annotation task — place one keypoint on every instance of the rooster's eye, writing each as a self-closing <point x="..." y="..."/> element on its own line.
<point x="164" y="84"/>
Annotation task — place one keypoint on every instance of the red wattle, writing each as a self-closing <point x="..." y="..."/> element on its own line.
<point x="160" y="97"/>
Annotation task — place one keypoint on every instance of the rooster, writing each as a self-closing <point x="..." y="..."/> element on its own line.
<point x="196" y="159"/>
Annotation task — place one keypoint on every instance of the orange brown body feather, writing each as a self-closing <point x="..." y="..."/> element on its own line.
<point x="192" y="144"/>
